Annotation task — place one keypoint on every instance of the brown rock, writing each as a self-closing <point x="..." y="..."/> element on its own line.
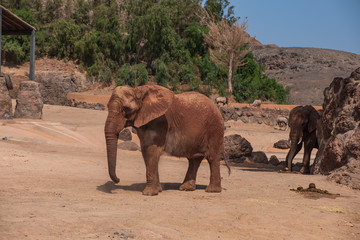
<point x="29" y="103"/>
<point x="259" y="157"/>
<point x="339" y="132"/>
<point x="5" y="100"/>
<point x="274" y="160"/>
<point x="237" y="147"/>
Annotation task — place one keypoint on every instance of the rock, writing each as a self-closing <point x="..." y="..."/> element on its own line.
<point x="251" y="114"/>
<point x="29" y="103"/>
<point x="95" y="106"/>
<point x="125" y="135"/>
<point x="54" y="86"/>
<point x="259" y="157"/>
<point x="237" y="147"/>
<point x="339" y="132"/>
<point x="130" y="146"/>
<point x="274" y="160"/>
<point x="5" y="100"/>
<point x="282" y="144"/>
<point x="304" y="69"/>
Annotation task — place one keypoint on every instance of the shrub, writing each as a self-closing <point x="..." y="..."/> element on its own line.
<point x="125" y="76"/>
<point x="187" y="73"/>
<point x="162" y="75"/>
<point x="250" y="83"/>
<point x="141" y="74"/>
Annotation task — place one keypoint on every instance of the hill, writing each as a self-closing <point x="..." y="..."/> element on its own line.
<point x="307" y="71"/>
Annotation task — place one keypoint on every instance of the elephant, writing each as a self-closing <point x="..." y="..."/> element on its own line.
<point x="184" y="125"/>
<point x="302" y="122"/>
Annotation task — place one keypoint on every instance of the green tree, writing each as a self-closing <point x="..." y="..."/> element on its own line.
<point x="63" y="39"/>
<point x="251" y="83"/>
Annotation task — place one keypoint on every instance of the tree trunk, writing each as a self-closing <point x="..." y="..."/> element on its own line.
<point x="230" y="74"/>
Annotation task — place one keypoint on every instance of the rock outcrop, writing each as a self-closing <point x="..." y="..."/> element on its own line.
<point x="54" y="86"/>
<point x="305" y="68"/>
<point x="5" y="100"/>
<point x="29" y="103"/>
<point x="339" y="132"/>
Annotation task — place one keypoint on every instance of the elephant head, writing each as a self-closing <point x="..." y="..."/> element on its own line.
<point x="132" y="107"/>
<point x="302" y="123"/>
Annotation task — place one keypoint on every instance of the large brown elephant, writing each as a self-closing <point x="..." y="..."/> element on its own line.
<point x="302" y="123"/>
<point x="184" y="125"/>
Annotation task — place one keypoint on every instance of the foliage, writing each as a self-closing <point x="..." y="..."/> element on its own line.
<point x="126" y="76"/>
<point x="162" y="75"/>
<point x="250" y="83"/>
<point x="142" y="75"/>
<point x="227" y="43"/>
<point x="129" y="41"/>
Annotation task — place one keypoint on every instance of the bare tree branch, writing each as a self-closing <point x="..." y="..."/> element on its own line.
<point x="227" y="44"/>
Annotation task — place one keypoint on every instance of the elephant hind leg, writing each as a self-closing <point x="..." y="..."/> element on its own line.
<point x="189" y="183"/>
<point x="215" y="179"/>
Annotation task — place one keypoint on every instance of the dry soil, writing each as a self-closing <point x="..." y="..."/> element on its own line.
<point x="54" y="185"/>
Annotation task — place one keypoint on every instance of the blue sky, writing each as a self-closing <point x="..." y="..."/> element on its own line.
<point x="331" y="24"/>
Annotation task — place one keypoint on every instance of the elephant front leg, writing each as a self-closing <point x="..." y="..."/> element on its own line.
<point x="189" y="183"/>
<point x="308" y="146"/>
<point x="215" y="179"/>
<point x="151" y="156"/>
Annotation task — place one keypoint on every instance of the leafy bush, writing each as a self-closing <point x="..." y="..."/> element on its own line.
<point x="63" y="39"/>
<point x="125" y="76"/>
<point x="14" y="52"/>
<point x="142" y="75"/>
<point x="250" y="83"/>
<point x="162" y="75"/>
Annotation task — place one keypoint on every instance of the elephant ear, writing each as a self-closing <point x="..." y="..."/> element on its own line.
<point x="155" y="101"/>
<point x="313" y="119"/>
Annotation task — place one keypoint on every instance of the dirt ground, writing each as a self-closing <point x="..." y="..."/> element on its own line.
<point x="54" y="185"/>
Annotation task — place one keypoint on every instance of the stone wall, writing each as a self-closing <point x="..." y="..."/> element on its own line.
<point x="250" y="114"/>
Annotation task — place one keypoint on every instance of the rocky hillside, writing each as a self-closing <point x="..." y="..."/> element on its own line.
<point x="307" y="71"/>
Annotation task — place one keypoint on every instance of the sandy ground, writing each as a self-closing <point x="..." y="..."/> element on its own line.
<point x="54" y="185"/>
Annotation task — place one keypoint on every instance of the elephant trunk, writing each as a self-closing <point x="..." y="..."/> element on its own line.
<point x="111" y="135"/>
<point x="111" y="148"/>
<point x="294" y="149"/>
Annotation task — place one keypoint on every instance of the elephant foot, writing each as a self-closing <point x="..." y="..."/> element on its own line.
<point x="213" y="188"/>
<point x="304" y="170"/>
<point x="188" y="186"/>
<point x="151" y="190"/>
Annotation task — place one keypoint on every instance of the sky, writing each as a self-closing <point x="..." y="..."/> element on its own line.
<point x="330" y="24"/>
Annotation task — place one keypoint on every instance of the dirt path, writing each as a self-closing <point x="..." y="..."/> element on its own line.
<point x="54" y="185"/>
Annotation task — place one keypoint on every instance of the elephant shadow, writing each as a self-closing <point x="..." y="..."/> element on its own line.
<point x="110" y="186"/>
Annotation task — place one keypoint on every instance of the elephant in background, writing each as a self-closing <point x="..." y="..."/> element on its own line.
<point x="185" y="125"/>
<point x="302" y="122"/>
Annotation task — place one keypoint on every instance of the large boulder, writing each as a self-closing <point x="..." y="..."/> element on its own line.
<point x="54" y="86"/>
<point x="237" y="147"/>
<point x="5" y="100"/>
<point x="338" y="131"/>
<point x="29" y="103"/>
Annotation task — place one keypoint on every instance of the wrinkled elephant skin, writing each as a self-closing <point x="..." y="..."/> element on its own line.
<point x="302" y="122"/>
<point x="184" y="125"/>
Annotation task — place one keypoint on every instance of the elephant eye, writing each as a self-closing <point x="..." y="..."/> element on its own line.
<point x="126" y="109"/>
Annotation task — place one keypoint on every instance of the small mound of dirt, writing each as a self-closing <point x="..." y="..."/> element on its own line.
<point x="314" y="193"/>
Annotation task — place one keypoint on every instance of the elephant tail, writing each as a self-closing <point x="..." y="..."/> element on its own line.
<point x="227" y="162"/>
